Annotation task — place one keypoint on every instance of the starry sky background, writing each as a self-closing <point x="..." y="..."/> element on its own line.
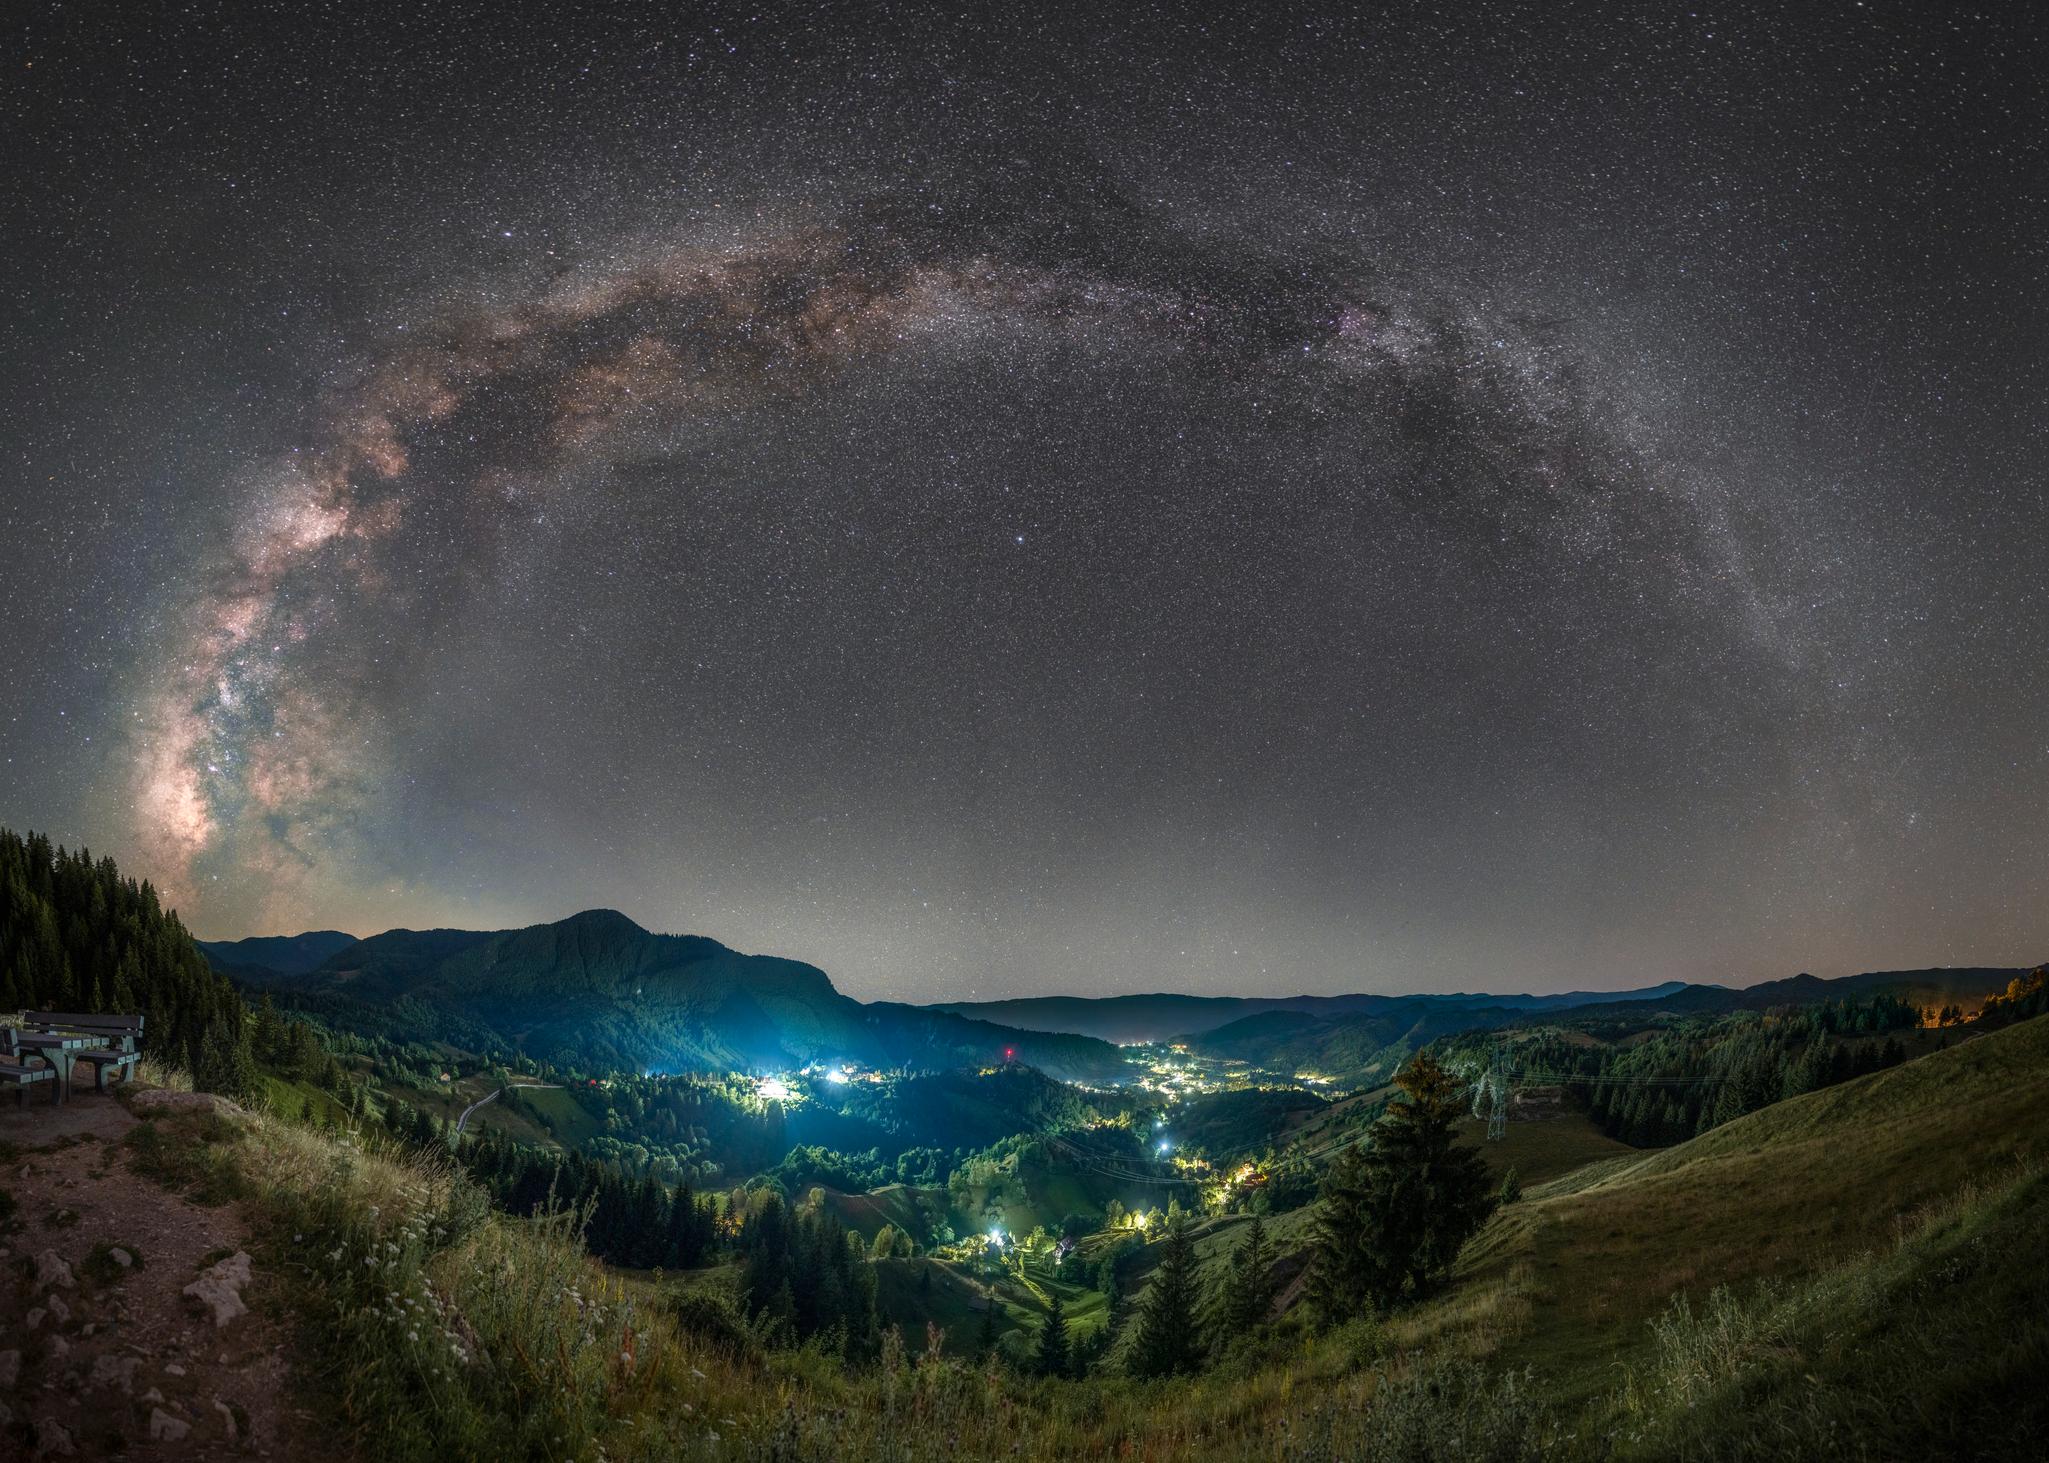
<point x="1485" y="496"/>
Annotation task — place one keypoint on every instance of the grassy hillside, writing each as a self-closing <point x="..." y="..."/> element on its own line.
<point x="1544" y="1148"/>
<point x="1581" y="1267"/>
<point x="899" y="1204"/>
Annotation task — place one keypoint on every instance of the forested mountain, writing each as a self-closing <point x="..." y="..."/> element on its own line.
<point x="1352" y="1050"/>
<point x="275" y="955"/>
<point x="1653" y="1085"/>
<point x="77" y="936"/>
<point x="597" y="991"/>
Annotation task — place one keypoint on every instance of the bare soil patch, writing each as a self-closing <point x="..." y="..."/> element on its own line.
<point x="105" y="1359"/>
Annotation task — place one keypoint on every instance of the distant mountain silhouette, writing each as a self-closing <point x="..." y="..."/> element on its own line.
<point x="1367" y="1044"/>
<point x="597" y="990"/>
<point x="1165" y="1017"/>
<point x="1936" y="986"/>
<point x="276" y="954"/>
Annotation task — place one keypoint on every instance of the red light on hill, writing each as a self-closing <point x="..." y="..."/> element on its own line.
<point x="1009" y="1052"/>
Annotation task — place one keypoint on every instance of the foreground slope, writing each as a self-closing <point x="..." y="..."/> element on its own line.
<point x="1787" y="1191"/>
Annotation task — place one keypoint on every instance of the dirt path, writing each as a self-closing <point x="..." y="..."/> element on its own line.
<point x="102" y="1360"/>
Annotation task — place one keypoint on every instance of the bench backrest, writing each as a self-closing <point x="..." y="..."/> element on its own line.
<point x="113" y="1025"/>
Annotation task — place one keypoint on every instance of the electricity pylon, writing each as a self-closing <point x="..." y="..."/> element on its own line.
<point x="1497" y="1085"/>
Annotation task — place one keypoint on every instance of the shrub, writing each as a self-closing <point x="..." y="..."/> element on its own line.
<point x="712" y="1318"/>
<point x="1454" y="1411"/>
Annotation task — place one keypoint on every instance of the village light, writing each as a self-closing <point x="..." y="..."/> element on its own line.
<point x="773" y="1089"/>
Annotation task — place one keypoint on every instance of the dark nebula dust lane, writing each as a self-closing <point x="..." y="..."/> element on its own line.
<point x="1430" y="517"/>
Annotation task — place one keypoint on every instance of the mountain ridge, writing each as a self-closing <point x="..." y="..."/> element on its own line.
<point x="598" y="988"/>
<point x="1164" y="1016"/>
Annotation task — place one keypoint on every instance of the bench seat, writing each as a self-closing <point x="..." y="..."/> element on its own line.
<point x="21" y="1075"/>
<point x="103" y="1058"/>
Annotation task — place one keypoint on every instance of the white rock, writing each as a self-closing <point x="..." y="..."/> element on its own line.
<point x="35" y="1317"/>
<point x="52" y="1270"/>
<point x="115" y="1371"/>
<point x="153" y="1396"/>
<point x="59" y="1312"/>
<point x="59" y="1347"/>
<point x="227" y="1419"/>
<point x="121" y="1257"/>
<point x="165" y="1428"/>
<point x="175" y="1370"/>
<point x="10" y="1368"/>
<point x="220" y="1287"/>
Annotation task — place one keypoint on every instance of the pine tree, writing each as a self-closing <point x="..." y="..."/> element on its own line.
<point x="1397" y="1210"/>
<point x="985" y="1337"/>
<point x="1166" y="1342"/>
<point x="1246" y="1294"/>
<point x="1511" y="1188"/>
<point x="266" y="1033"/>
<point x="1051" y="1357"/>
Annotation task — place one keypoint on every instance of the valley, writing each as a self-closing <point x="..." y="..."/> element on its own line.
<point x="809" y="1225"/>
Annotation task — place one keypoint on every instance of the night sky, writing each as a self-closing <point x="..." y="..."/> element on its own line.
<point x="1475" y="496"/>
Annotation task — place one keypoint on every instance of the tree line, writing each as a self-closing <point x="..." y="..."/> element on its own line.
<point x="77" y="936"/>
<point x="1676" y="1084"/>
<point x="638" y="1222"/>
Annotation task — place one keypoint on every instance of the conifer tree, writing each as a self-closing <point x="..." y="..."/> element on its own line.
<point x="1397" y="1210"/>
<point x="1167" y="1342"/>
<point x="985" y="1337"/>
<point x="1249" y="1287"/>
<point x="1051" y="1357"/>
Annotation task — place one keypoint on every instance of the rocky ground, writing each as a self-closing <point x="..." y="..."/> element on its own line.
<point x="133" y="1323"/>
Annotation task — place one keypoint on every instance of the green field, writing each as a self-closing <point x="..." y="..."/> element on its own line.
<point x="555" y="1111"/>
<point x="897" y="1204"/>
<point x="1545" y="1148"/>
<point x="288" y="1097"/>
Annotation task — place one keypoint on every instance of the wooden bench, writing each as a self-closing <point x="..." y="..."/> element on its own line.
<point x="118" y="1033"/>
<point x="15" y="1068"/>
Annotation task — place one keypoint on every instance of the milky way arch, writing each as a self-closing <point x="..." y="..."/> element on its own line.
<point x="247" y="761"/>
